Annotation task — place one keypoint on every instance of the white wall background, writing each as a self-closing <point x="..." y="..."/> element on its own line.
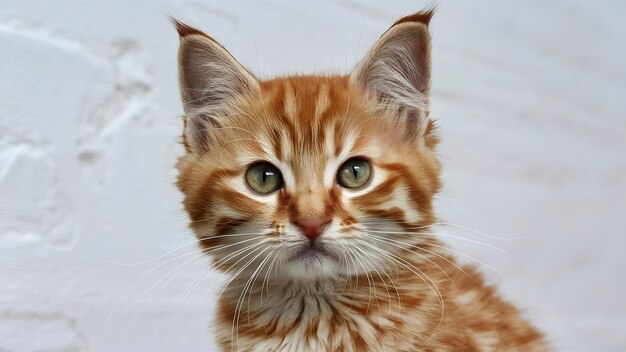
<point x="530" y="98"/>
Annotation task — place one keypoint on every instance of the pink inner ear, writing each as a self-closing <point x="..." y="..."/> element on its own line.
<point x="397" y="72"/>
<point x="209" y="78"/>
<point x="398" y="66"/>
<point x="208" y="74"/>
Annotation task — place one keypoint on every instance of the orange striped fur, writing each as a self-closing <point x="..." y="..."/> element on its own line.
<point x="376" y="279"/>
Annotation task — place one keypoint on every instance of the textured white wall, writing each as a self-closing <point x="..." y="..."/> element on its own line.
<point x="530" y="99"/>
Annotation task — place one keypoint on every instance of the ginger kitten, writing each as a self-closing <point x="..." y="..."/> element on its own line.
<point x="315" y="194"/>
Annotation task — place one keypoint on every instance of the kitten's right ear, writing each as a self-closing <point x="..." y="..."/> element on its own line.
<point x="209" y="78"/>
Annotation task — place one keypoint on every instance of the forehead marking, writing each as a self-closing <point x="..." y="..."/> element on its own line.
<point x="289" y="102"/>
<point x="322" y="103"/>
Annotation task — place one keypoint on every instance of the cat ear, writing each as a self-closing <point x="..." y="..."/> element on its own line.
<point x="209" y="79"/>
<point x="396" y="71"/>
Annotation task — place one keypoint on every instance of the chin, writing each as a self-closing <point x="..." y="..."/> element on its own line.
<point x="309" y="268"/>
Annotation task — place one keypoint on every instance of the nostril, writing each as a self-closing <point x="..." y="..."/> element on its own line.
<point x="312" y="228"/>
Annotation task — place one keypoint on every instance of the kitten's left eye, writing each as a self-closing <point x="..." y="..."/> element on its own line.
<point x="354" y="173"/>
<point x="264" y="178"/>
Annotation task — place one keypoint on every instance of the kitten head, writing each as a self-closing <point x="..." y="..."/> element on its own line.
<point x="311" y="176"/>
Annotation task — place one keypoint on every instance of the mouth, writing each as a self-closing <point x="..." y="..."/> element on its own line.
<point x="312" y="261"/>
<point x="311" y="251"/>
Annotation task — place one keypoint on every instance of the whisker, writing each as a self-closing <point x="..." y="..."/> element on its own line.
<point x="202" y="254"/>
<point x="434" y="244"/>
<point x="384" y="240"/>
<point x="503" y="238"/>
<point x="193" y="241"/>
<point x="441" y="235"/>
<point x="241" y="296"/>
<point x="255" y="275"/>
<point x="369" y="282"/>
<point x="476" y="261"/>
<point x="215" y="266"/>
<point x="151" y="288"/>
<point x="372" y="261"/>
<point x="419" y="274"/>
<point x="206" y="273"/>
<point x="348" y="279"/>
<point x="442" y="257"/>
<point x="269" y="270"/>
<point x="377" y="220"/>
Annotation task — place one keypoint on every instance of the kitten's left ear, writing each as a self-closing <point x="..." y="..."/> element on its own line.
<point x="397" y="71"/>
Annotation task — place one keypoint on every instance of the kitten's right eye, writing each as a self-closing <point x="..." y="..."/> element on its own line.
<point x="264" y="178"/>
<point x="354" y="173"/>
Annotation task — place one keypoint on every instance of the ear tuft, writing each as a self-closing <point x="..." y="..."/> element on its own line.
<point x="422" y="17"/>
<point x="184" y="29"/>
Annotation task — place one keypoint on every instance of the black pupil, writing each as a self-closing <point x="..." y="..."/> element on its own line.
<point x="355" y="170"/>
<point x="267" y="174"/>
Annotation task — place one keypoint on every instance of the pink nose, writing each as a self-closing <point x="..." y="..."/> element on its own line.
<point x="313" y="228"/>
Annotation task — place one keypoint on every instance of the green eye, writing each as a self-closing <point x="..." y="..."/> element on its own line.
<point x="354" y="173"/>
<point x="264" y="178"/>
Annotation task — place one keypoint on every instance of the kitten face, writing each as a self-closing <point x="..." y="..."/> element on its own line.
<point x="308" y="177"/>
